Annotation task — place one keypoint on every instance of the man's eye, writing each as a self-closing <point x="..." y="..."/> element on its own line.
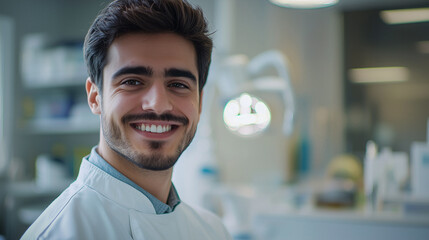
<point x="178" y="85"/>
<point x="131" y="82"/>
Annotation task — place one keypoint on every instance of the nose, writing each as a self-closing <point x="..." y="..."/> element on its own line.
<point x="156" y="99"/>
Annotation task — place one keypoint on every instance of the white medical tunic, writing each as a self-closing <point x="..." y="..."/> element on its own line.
<point x="99" y="206"/>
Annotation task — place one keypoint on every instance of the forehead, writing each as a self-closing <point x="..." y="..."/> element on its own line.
<point x="158" y="51"/>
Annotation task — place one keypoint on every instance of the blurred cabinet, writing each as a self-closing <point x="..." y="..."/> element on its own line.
<point x="54" y="118"/>
<point x="340" y="225"/>
<point x="54" y="75"/>
<point x="46" y="110"/>
<point x="54" y="122"/>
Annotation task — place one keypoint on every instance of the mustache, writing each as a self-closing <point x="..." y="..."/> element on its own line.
<point x="153" y="116"/>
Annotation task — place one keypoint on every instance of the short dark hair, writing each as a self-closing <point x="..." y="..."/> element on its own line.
<point x="147" y="16"/>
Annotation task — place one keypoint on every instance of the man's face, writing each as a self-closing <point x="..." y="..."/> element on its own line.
<point x="150" y="104"/>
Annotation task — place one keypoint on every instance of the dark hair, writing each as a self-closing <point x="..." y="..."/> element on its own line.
<point x="147" y="16"/>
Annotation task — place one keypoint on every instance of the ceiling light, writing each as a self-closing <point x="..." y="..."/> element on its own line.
<point x="379" y="74"/>
<point x="402" y="16"/>
<point x="304" y="3"/>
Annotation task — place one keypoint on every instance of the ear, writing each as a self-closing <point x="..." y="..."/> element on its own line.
<point x="93" y="97"/>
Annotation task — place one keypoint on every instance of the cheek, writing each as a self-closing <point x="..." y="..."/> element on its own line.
<point x="191" y="110"/>
<point x="117" y="106"/>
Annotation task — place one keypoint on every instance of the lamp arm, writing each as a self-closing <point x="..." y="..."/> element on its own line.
<point x="279" y="62"/>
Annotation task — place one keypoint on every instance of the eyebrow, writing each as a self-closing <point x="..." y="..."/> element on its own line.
<point x="138" y="70"/>
<point x="175" y="72"/>
<point x="148" y="71"/>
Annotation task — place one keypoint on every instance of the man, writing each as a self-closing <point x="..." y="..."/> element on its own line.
<point x="148" y="61"/>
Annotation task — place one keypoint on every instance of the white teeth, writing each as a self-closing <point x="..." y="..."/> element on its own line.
<point x="154" y="128"/>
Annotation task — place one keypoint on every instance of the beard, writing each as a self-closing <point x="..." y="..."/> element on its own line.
<point x="153" y="159"/>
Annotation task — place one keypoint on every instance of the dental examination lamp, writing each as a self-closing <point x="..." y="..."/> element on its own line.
<point x="241" y="79"/>
<point x="254" y="95"/>
<point x="233" y="131"/>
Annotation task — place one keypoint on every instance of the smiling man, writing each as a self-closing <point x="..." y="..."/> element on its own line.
<point x="148" y="61"/>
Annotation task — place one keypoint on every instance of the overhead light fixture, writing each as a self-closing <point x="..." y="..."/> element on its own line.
<point x="402" y="16"/>
<point x="304" y="3"/>
<point x="379" y="74"/>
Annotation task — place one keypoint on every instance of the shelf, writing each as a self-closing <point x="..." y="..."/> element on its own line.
<point x="62" y="126"/>
<point x="64" y="83"/>
<point x="30" y="189"/>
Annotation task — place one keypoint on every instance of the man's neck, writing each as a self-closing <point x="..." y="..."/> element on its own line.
<point x="157" y="183"/>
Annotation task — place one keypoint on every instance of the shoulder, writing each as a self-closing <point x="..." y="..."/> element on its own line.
<point x="72" y="215"/>
<point x="210" y="220"/>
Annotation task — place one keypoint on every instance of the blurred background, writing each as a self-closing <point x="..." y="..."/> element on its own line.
<point x="314" y="117"/>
